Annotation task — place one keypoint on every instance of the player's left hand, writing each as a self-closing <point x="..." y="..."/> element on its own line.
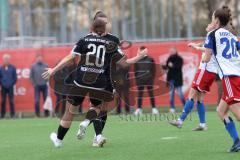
<point x="142" y="53"/>
<point x="192" y="45"/>
<point x="48" y="72"/>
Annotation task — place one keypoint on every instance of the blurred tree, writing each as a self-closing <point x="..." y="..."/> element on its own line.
<point x="152" y="18"/>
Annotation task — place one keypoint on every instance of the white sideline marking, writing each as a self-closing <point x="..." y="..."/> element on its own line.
<point x="169" y="138"/>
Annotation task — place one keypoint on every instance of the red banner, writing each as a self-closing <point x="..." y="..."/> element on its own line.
<point x="24" y="58"/>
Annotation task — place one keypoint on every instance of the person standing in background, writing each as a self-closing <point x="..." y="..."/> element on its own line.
<point x="40" y="84"/>
<point x="8" y="78"/>
<point x="145" y="73"/>
<point x="122" y="88"/>
<point x="174" y="65"/>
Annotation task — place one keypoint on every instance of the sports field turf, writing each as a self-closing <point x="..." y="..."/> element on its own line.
<point x="28" y="139"/>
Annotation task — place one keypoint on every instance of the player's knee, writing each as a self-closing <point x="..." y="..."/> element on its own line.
<point x="220" y="113"/>
<point x="67" y="118"/>
<point x="192" y="94"/>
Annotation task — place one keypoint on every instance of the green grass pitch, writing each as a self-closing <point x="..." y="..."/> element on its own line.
<point x="28" y="139"/>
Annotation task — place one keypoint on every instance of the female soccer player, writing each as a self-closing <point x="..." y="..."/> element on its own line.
<point x="223" y="45"/>
<point x="99" y="122"/>
<point x="95" y="60"/>
<point x="201" y="84"/>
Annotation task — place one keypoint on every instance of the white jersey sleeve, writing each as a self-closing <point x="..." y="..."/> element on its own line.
<point x="211" y="66"/>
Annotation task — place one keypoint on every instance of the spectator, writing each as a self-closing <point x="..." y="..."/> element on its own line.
<point x="175" y="77"/>
<point x="40" y="85"/>
<point x="145" y="73"/>
<point x="122" y="88"/>
<point x="8" y="78"/>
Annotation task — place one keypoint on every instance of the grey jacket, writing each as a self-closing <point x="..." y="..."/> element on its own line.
<point x="36" y="73"/>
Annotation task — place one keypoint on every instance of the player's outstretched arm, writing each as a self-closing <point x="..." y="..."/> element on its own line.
<point x="139" y="56"/>
<point x="49" y="71"/>
<point x="127" y="62"/>
<point x="207" y="56"/>
<point x="197" y="46"/>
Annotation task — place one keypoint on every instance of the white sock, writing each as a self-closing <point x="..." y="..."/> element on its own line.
<point x="98" y="137"/>
<point x="202" y="125"/>
<point x="180" y="121"/>
<point x="86" y="122"/>
<point x="58" y="140"/>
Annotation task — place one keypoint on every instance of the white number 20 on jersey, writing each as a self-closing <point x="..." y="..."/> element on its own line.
<point x="98" y="52"/>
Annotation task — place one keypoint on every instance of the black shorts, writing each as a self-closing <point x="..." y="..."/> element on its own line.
<point x="78" y="100"/>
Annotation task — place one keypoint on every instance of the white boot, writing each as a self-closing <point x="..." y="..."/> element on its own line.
<point x="172" y="110"/>
<point x="82" y="129"/>
<point x="138" y="112"/>
<point x="155" y="111"/>
<point x="99" y="141"/>
<point x="57" y="142"/>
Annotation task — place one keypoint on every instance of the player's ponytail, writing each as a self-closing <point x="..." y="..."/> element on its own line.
<point x="230" y="26"/>
<point x="223" y="15"/>
<point x="225" y="18"/>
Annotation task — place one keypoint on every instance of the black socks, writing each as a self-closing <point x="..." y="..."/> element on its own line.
<point x="91" y="115"/>
<point x="61" y="132"/>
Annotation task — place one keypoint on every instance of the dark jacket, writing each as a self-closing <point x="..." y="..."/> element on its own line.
<point x="175" y="72"/>
<point x="145" y="70"/>
<point x="8" y="76"/>
<point x="36" y="73"/>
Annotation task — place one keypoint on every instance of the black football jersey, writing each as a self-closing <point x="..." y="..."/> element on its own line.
<point x="97" y="55"/>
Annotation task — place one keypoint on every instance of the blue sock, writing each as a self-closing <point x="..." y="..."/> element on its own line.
<point x="187" y="109"/>
<point x="230" y="127"/>
<point x="201" y="112"/>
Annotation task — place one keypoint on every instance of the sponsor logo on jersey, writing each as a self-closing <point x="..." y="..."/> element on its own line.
<point x="93" y="70"/>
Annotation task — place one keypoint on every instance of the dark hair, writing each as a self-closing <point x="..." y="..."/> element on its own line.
<point x="99" y="14"/>
<point x="99" y="26"/>
<point x="223" y="14"/>
<point x="142" y="47"/>
<point x="225" y="17"/>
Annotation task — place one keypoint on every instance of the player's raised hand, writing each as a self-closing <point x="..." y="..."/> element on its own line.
<point x="196" y="46"/>
<point x="47" y="73"/>
<point x="192" y="45"/>
<point x="142" y="53"/>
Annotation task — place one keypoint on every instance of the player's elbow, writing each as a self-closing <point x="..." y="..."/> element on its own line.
<point x="123" y="64"/>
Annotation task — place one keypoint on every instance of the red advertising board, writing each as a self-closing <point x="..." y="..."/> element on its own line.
<point x="24" y="58"/>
